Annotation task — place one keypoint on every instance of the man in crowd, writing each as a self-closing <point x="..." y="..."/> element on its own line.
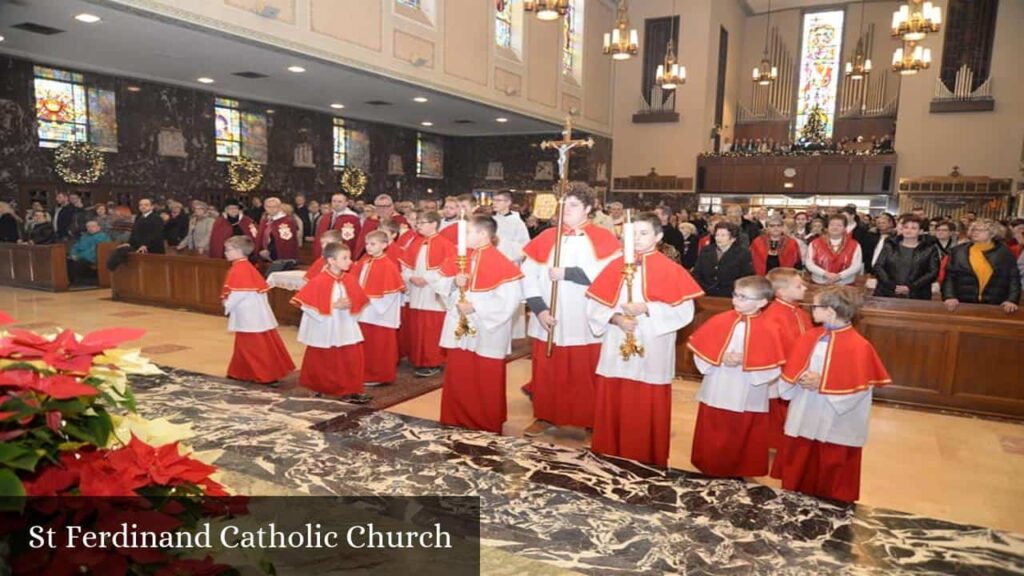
<point x="278" y="234"/>
<point x="342" y="218"/>
<point x="147" y="231"/>
<point x="63" y="217"/>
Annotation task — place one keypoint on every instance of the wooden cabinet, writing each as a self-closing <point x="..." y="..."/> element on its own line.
<point x="827" y="174"/>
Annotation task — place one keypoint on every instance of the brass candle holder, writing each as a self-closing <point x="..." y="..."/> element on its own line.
<point x="463" y="328"/>
<point x="631" y="347"/>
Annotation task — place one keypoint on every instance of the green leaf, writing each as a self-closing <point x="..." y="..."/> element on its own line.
<point x="10" y="487"/>
<point x="14" y="455"/>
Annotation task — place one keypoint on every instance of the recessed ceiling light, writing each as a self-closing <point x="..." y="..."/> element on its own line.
<point x="296" y="69"/>
<point x="502" y="120"/>
<point x="428" y="123"/>
<point x="270" y="110"/>
<point x="1" y="38"/>
<point x="419" y="99"/>
<point x="133" y="89"/>
<point x="337" y="106"/>
<point x="204" y="80"/>
<point x="87" y="18"/>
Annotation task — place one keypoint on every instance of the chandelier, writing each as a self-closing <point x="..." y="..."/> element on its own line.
<point x="622" y="42"/>
<point x="911" y="58"/>
<point x="670" y="74"/>
<point x="861" y="66"/>
<point x="914" y="20"/>
<point x="765" y="74"/>
<point x="547" y="9"/>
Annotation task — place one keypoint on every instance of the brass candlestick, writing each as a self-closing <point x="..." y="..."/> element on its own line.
<point x="630" y="347"/>
<point x="464" y="328"/>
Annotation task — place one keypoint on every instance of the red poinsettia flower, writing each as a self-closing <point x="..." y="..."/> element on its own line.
<point x="58" y="386"/>
<point x="5" y="319"/>
<point x="65" y="352"/>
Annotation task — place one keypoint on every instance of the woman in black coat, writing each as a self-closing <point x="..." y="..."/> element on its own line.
<point x="723" y="262"/>
<point x="8" y="224"/>
<point x="991" y="277"/>
<point x="907" y="264"/>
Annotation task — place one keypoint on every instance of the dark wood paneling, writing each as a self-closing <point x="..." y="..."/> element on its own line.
<point x="829" y="174"/>
<point x="983" y="368"/>
<point x="280" y="302"/>
<point x="36" y="267"/>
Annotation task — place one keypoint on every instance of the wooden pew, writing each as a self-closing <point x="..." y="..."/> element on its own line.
<point x="189" y="282"/>
<point x="36" y="267"/>
<point x="971" y="360"/>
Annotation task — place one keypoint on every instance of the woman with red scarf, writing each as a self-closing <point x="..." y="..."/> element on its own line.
<point x="834" y="257"/>
<point x="774" y="249"/>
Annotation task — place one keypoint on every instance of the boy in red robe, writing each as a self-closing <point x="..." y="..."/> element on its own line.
<point x="231" y="223"/>
<point x="473" y="395"/>
<point x="421" y="267"/>
<point x="381" y="280"/>
<point x="259" y="354"/>
<point x="393" y="251"/>
<point x="790" y="321"/>
<point x="330" y="302"/>
<point x="329" y="237"/>
<point x="563" y="386"/>
<point x="634" y="396"/>
<point x="739" y="354"/>
<point x="278" y="233"/>
<point x="828" y="380"/>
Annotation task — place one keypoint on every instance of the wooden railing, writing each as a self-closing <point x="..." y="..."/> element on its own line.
<point x="36" y="267"/>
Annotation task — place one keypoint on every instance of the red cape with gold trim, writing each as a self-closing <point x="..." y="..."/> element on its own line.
<point x="438" y="250"/>
<point x="317" y="293"/>
<point x="243" y="277"/>
<point x="394" y="252"/>
<point x="789" y="253"/>
<point x="761" y="348"/>
<point x="602" y="240"/>
<point x="315" y="268"/>
<point x="383" y="278"/>
<point x="486" y="267"/>
<point x="790" y="321"/>
<point x="661" y="280"/>
<point x="851" y="362"/>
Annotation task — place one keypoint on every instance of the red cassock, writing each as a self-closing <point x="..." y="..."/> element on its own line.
<point x="372" y="224"/>
<point x="473" y="395"/>
<point x="834" y="261"/>
<point x="788" y="251"/>
<point x="315" y="268"/>
<point x="348" y="224"/>
<point x="790" y="321"/>
<point x="563" y="386"/>
<point x="380" y="343"/>
<point x="424" y="335"/>
<point x="633" y="418"/>
<point x="396" y="250"/>
<point x="729" y="443"/>
<point x="284" y="235"/>
<point x="851" y="365"/>
<point x="337" y="370"/>
<point x="222" y="230"/>
<point x="451" y="232"/>
<point x="258" y="356"/>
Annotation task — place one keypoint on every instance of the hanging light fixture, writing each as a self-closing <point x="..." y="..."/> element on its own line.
<point x="911" y="58"/>
<point x="547" y="9"/>
<point x="671" y="74"/>
<point x="861" y="65"/>
<point x="915" y="20"/>
<point x="765" y="74"/>
<point x="622" y="42"/>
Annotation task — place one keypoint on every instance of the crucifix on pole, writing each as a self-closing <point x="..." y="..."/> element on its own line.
<point x="563" y="146"/>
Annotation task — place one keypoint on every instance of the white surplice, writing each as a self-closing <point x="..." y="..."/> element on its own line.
<point x="731" y="387"/>
<point x="340" y="328"/>
<point x="249" y="311"/>
<point x="492" y="316"/>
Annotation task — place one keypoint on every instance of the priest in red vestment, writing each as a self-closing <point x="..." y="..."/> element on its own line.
<point x="343" y="219"/>
<point x="740" y="355"/>
<point x="828" y="379"/>
<point x="231" y="223"/>
<point x="634" y="396"/>
<point x="421" y="267"/>
<point x="278" y="233"/>
<point x="259" y="354"/>
<point x="774" y="249"/>
<point x="381" y="279"/>
<point x="834" y="257"/>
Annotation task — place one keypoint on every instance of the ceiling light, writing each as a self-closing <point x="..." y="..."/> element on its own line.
<point x="296" y="69"/>
<point x="1" y="38"/>
<point x="204" y="80"/>
<point x="270" y="110"/>
<point x="419" y="99"/>
<point x="337" y="106"/>
<point x="87" y="18"/>
<point x="133" y="88"/>
<point x="502" y="120"/>
<point x="427" y="123"/>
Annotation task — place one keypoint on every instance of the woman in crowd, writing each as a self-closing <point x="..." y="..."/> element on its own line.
<point x="176" y="226"/>
<point x="103" y="218"/>
<point x="200" y="227"/>
<point x="121" y="223"/>
<point x="723" y="262"/>
<point x="907" y="264"/>
<point x="688" y="257"/>
<point x="773" y="249"/>
<point x="885" y="228"/>
<point x="945" y="237"/>
<point x="42" y="231"/>
<point x="982" y="271"/>
<point x="834" y="257"/>
<point x="8" y="224"/>
<point x="1016" y="240"/>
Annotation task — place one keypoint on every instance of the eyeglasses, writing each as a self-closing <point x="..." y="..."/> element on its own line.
<point x="383" y="205"/>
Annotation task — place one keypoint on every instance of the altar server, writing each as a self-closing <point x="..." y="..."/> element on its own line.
<point x="563" y="385"/>
<point x="278" y="233"/>
<point x="512" y="236"/>
<point x="381" y="280"/>
<point x="474" y="378"/>
<point x="739" y="355"/>
<point x="466" y="205"/>
<point x="330" y="303"/>
<point x="634" y="395"/>
<point x="328" y="237"/>
<point x="421" y="266"/>
<point x="259" y="354"/>
<point x="392" y="230"/>
<point x="829" y="378"/>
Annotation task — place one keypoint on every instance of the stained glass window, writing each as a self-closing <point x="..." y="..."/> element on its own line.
<point x="69" y="111"/>
<point x="414" y="4"/>
<point x="819" y="68"/>
<point x="358" y="148"/>
<point x="228" y="131"/>
<point x="340" y="144"/>
<point x="429" y="157"/>
<point x="254" y="136"/>
<point x="569" y="38"/>
<point x="503" y="24"/>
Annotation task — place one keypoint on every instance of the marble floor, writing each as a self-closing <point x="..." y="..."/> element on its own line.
<point x="958" y="469"/>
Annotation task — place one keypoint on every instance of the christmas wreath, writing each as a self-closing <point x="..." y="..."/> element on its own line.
<point x="244" y="174"/>
<point x="79" y="163"/>
<point x="353" y="181"/>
